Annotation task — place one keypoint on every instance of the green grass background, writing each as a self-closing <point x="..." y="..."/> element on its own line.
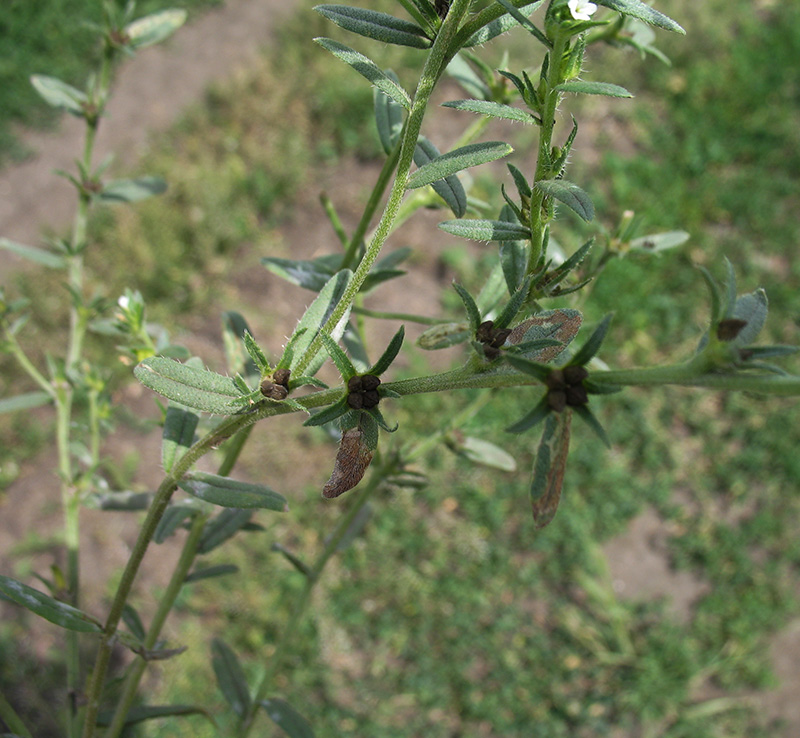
<point x="450" y="615"/>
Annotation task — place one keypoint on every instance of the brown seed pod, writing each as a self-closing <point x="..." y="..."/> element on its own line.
<point x="266" y="387"/>
<point x="279" y="392"/>
<point x="352" y="461"/>
<point x="281" y="376"/>
<point x="500" y="337"/>
<point x="576" y="395"/>
<point x="555" y="380"/>
<point x="485" y="331"/>
<point x="355" y="383"/>
<point x="557" y="400"/>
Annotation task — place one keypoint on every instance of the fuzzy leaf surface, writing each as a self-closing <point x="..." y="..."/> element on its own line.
<point x="491" y="109"/>
<point x="34" y="254"/>
<point x="454" y="161"/>
<point x="132" y="190"/>
<point x="486" y="230"/>
<point x="59" y="94"/>
<point x="638" y="9"/>
<point x="376" y="25"/>
<point x="584" y="87"/>
<point x="154" y="28"/>
<point x="570" y="194"/>
<point x="287" y="718"/>
<point x="228" y="492"/>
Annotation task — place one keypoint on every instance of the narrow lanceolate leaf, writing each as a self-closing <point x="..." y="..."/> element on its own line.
<point x="340" y="358"/>
<point x="473" y="314"/>
<point x="456" y="160"/>
<point x="59" y="94"/>
<point x="153" y="712"/>
<point x="593" y="343"/>
<point x="492" y="109"/>
<point x="32" y="253"/>
<point x="132" y="190"/>
<point x="317" y="315"/>
<point x="230" y="677"/>
<point x="389" y="354"/>
<point x="561" y="325"/>
<point x="444" y="336"/>
<point x="228" y="492"/>
<point x="570" y="194"/>
<point x="224" y="526"/>
<point x="367" y="68"/>
<point x="486" y="230"/>
<point x="638" y="9"/>
<point x="501" y="25"/>
<point x="450" y="188"/>
<point x="179" y="427"/>
<point x="388" y="117"/>
<point x="287" y="718"/>
<point x="549" y="467"/>
<point x="27" y="401"/>
<point x="584" y="87"/>
<point x="195" y="388"/>
<point x="373" y="24"/>
<point x="154" y="28"/>
<point x="483" y="452"/>
<point x="46" y="607"/>
<point x="211" y="572"/>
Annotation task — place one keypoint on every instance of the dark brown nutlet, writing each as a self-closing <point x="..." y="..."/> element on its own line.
<point x="485" y="331"/>
<point x="371" y="399"/>
<point x="575" y="374"/>
<point x="370" y="382"/>
<point x="557" y="400"/>
<point x="576" y="395"/>
<point x="355" y="400"/>
<point x="355" y="384"/>
<point x="281" y="376"/>
<point x="555" y="380"/>
<point x="279" y="392"/>
<point x="500" y="337"/>
<point x="266" y="387"/>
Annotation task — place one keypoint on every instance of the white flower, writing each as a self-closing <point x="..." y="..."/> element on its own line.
<point x="581" y="10"/>
<point x="123" y="302"/>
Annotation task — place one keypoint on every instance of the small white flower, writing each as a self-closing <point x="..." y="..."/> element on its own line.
<point x="581" y="10"/>
<point x="123" y="302"/>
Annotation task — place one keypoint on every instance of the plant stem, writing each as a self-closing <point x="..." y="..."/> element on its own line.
<point x="12" y="720"/>
<point x="428" y="79"/>
<point x="165" y="606"/>
<point x="304" y="598"/>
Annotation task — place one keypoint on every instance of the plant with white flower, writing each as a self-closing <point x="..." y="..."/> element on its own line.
<point x="582" y="10"/>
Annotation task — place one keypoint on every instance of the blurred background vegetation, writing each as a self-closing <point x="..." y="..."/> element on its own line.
<point x="449" y="615"/>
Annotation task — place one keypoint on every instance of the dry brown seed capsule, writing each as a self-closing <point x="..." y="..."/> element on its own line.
<point x="500" y="337"/>
<point x="355" y="384"/>
<point x="485" y="332"/>
<point x="575" y="374"/>
<point x="557" y="400"/>
<point x="576" y="395"/>
<point x="281" y="376"/>
<point x="266" y="387"/>
<point x="371" y="398"/>
<point x="370" y="382"/>
<point x="355" y="400"/>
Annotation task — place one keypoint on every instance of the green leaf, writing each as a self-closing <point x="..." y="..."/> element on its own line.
<point x="457" y="160"/>
<point x="753" y="309"/>
<point x="178" y="435"/>
<point x="59" y="94"/>
<point x="340" y="358"/>
<point x="173" y="516"/>
<point x="532" y="418"/>
<point x="195" y="388"/>
<point x="588" y="417"/>
<point x="509" y="312"/>
<point x="531" y="368"/>
<point x="34" y="254"/>
<point x="132" y="190"/>
<point x="491" y="109"/>
<point x="657" y="242"/>
<point x="584" y="87"/>
<point x="461" y="71"/>
<point x="131" y="618"/>
<point x="450" y="188"/>
<point x="230" y="677"/>
<point x="228" y="492"/>
<point x="473" y="314"/>
<point x="153" y="712"/>
<point x="26" y="401"/>
<point x="287" y="718"/>
<point x="525" y="22"/>
<point x="592" y="345"/>
<point x="151" y="29"/>
<point x="482" y="452"/>
<point x="389" y="354"/>
<point x="501" y="25"/>
<point x="224" y="526"/>
<point x="486" y="230"/>
<point x="339" y="408"/>
<point x="570" y="194"/>
<point x="367" y="68"/>
<point x="48" y="608"/>
<point x="637" y="9"/>
<point x="311" y="275"/>
<point x="376" y="25"/>
<point x="210" y="572"/>
<point x="122" y="501"/>
<point x="388" y="117"/>
<point x="316" y="316"/>
<point x="257" y="356"/>
<point x="444" y="336"/>
<point x="549" y="467"/>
